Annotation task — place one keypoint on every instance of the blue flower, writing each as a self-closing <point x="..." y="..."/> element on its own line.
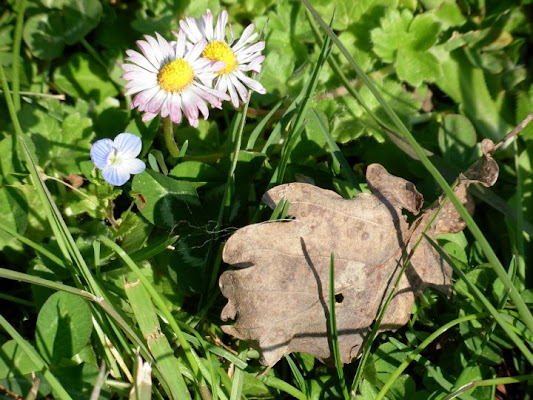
<point x="118" y="158"/>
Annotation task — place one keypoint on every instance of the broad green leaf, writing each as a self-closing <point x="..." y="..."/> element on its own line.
<point x="367" y="391"/>
<point x="457" y="140"/>
<point x="42" y="35"/>
<point x="467" y="86"/>
<point x="14" y="361"/>
<point x="80" y="17"/>
<point x="423" y="31"/>
<point x="166" y="202"/>
<point x="349" y="12"/>
<point x="64" y="326"/>
<point x="83" y="77"/>
<point x="356" y="37"/>
<point x="391" y="34"/>
<point x="14" y="213"/>
<point x="47" y="34"/>
<point x="449" y="15"/>
<point x="79" y="381"/>
<point x="416" y="67"/>
<point x="197" y="171"/>
<point x="72" y="146"/>
<point x="134" y="231"/>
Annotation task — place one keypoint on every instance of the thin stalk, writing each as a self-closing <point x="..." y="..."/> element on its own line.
<point x="412" y="356"/>
<point x="333" y="328"/>
<point x="381" y="314"/>
<point x="36" y="359"/>
<point x="486" y="303"/>
<point x="491" y="256"/>
<point x="64" y="238"/>
<point x="158" y="301"/>
<point x="283" y="386"/>
<point x="300" y="380"/>
<point x="36" y="246"/>
<point x="489" y="382"/>
<point x="297" y="126"/>
<point x="17" y="39"/>
<point x="13" y="299"/>
<point x="230" y="182"/>
<point x="170" y="141"/>
<point x="519" y="248"/>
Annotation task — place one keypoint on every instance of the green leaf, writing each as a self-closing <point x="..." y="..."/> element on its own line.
<point x="197" y="171"/>
<point x="14" y="361"/>
<point x="14" y="213"/>
<point x="79" y="381"/>
<point x="416" y="67"/>
<point x="457" y="140"/>
<point x="424" y="31"/>
<point x="79" y="18"/>
<point x="166" y="202"/>
<point x="64" y="326"/>
<point x="467" y="86"/>
<point x="41" y="35"/>
<point x="449" y="15"/>
<point x="83" y="77"/>
<point x="391" y="34"/>
<point x="47" y="34"/>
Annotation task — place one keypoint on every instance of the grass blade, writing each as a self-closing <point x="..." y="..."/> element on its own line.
<point x="158" y="301"/>
<point x="261" y="125"/>
<point x="333" y="328"/>
<point x="486" y="303"/>
<point x="337" y="153"/>
<point x="412" y="356"/>
<point x="297" y="125"/>
<point x="157" y="342"/>
<point x="297" y="374"/>
<point x="283" y="386"/>
<point x="491" y="256"/>
<point x="35" y="358"/>
<point x="238" y="379"/>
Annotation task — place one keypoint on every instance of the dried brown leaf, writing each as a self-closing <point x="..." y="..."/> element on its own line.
<point x="279" y="294"/>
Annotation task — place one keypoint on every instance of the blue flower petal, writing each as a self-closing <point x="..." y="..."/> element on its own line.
<point x="128" y="145"/>
<point x="100" y="152"/>
<point x="133" y="166"/>
<point x="116" y="175"/>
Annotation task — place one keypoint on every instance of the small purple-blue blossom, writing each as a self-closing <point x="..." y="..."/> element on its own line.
<point x="118" y="158"/>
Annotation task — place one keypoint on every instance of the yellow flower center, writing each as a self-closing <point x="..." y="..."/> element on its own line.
<point x="220" y="51"/>
<point x="175" y="76"/>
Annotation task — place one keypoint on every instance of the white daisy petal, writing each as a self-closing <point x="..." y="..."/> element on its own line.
<point x="127" y="145"/>
<point x="231" y="59"/>
<point x="220" y="30"/>
<point x="251" y="83"/>
<point x="148" y="53"/>
<point x="171" y="79"/>
<point x="208" y="23"/>
<point x="100" y="151"/>
<point x="147" y="117"/>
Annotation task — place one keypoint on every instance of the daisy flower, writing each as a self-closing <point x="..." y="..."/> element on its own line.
<point x="118" y="158"/>
<point x="172" y="79"/>
<point x="239" y="56"/>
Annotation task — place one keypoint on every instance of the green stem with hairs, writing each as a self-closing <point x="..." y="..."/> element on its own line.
<point x="170" y="141"/>
<point x="17" y="39"/>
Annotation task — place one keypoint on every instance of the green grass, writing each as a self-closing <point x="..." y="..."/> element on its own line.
<point x="146" y="260"/>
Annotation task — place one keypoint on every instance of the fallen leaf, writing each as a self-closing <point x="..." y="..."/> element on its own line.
<point x="279" y="294"/>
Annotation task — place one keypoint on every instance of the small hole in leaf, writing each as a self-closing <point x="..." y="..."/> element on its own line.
<point x="339" y="298"/>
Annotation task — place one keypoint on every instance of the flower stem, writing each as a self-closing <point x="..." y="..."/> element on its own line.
<point x="170" y="142"/>
<point x="15" y="77"/>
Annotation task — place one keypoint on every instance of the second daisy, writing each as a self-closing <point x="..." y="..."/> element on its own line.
<point x="239" y="57"/>
<point x="172" y="79"/>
